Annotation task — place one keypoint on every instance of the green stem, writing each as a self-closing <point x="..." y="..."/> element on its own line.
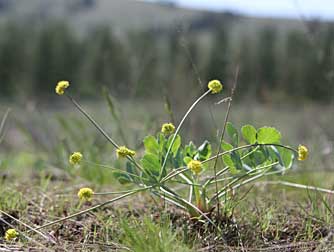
<point x="2" y="124"/>
<point x="217" y="195"/>
<point x="93" y="208"/>
<point x="223" y="133"/>
<point x="116" y="169"/>
<point x="249" y="146"/>
<point x="248" y="181"/>
<point x="177" y="131"/>
<point x="191" y="206"/>
<point x="197" y="195"/>
<point x="226" y="168"/>
<point x="29" y="227"/>
<point x="170" y="199"/>
<point x="99" y="128"/>
<point x="182" y="169"/>
<point x="300" y="186"/>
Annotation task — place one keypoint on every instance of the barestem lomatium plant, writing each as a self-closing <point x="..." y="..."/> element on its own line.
<point x="182" y="174"/>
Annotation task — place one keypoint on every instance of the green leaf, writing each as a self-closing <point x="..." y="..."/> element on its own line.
<point x="131" y="169"/>
<point x="233" y="133"/>
<point x="151" y="145"/>
<point x="150" y="163"/>
<point x="276" y="155"/>
<point x="286" y="156"/>
<point x="258" y="157"/>
<point x="265" y="151"/>
<point x="236" y="160"/>
<point x="226" y="146"/>
<point x="268" y="135"/>
<point x="122" y="177"/>
<point x="229" y="162"/>
<point x="176" y="144"/>
<point x="204" y="151"/>
<point x="249" y="133"/>
<point x="178" y="160"/>
<point x="162" y="142"/>
<point x="186" y="160"/>
<point x="190" y="150"/>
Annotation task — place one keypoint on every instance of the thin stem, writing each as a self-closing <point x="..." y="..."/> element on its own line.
<point x="111" y="193"/>
<point x="286" y="183"/>
<point x="184" y="168"/>
<point x="113" y="112"/>
<point x="209" y="181"/>
<point x="175" y="196"/>
<point x="223" y="133"/>
<point x="218" y="195"/>
<point x="28" y="226"/>
<point x="199" y="80"/>
<point x="177" y="131"/>
<point x="99" y="128"/>
<point x="25" y="236"/>
<point x="94" y="207"/>
<point x="174" y="173"/>
<point x="249" y="146"/>
<point x="2" y="124"/>
<point x="248" y="181"/>
<point x="116" y="169"/>
<point x="169" y="199"/>
<point x="185" y="183"/>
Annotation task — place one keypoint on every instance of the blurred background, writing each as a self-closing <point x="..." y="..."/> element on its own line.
<point x="146" y="54"/>
<point x="150" y="48"/>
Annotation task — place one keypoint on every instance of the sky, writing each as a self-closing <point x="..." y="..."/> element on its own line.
<point x="322" y="9"/>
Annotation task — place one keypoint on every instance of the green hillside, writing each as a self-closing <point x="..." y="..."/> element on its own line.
<point x="128" y="15"/>
<point x="123" y="14"/>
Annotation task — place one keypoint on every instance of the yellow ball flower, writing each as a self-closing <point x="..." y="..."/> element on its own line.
<point x="195" y="166"/>
<point x="167" y="128"/>
<point x="123" y="152"/>
<point x="61" y="86"/>
<point x="75" y="158"/>
<point x="302" y="152"/>
<point x="11" y="234"/>
<point x="215" y="86"/>
<point x="85" y="194"/>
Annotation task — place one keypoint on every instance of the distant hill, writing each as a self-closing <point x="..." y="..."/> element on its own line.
<point x="125" y="14"/>
<point x="122" y="14"/>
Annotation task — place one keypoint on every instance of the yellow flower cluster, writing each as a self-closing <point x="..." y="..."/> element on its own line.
<point x="75" y="158"/>
<point x="302" y="153"/>
<point x="61" y="86"/>
<point x="195" y="166"/>
<point x="167" y="128"/>
<point x="215" y="86"/>
<point x="85" y="194"/>
<point x="11" y="234"/>
<point x="123" y="152"/>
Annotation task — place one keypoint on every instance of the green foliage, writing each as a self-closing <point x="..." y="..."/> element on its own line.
<point x="151" y="145"/>
<point x="204" y="151"/>
<point x="149" y="236"/>
<point x="12" y="199"/>
<point x="268" y="135"/>
<point x="263" y="155"/>
<point x="151" y="164"/>
<point x="249" y="134"/>
<point x="233" y="134"/>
